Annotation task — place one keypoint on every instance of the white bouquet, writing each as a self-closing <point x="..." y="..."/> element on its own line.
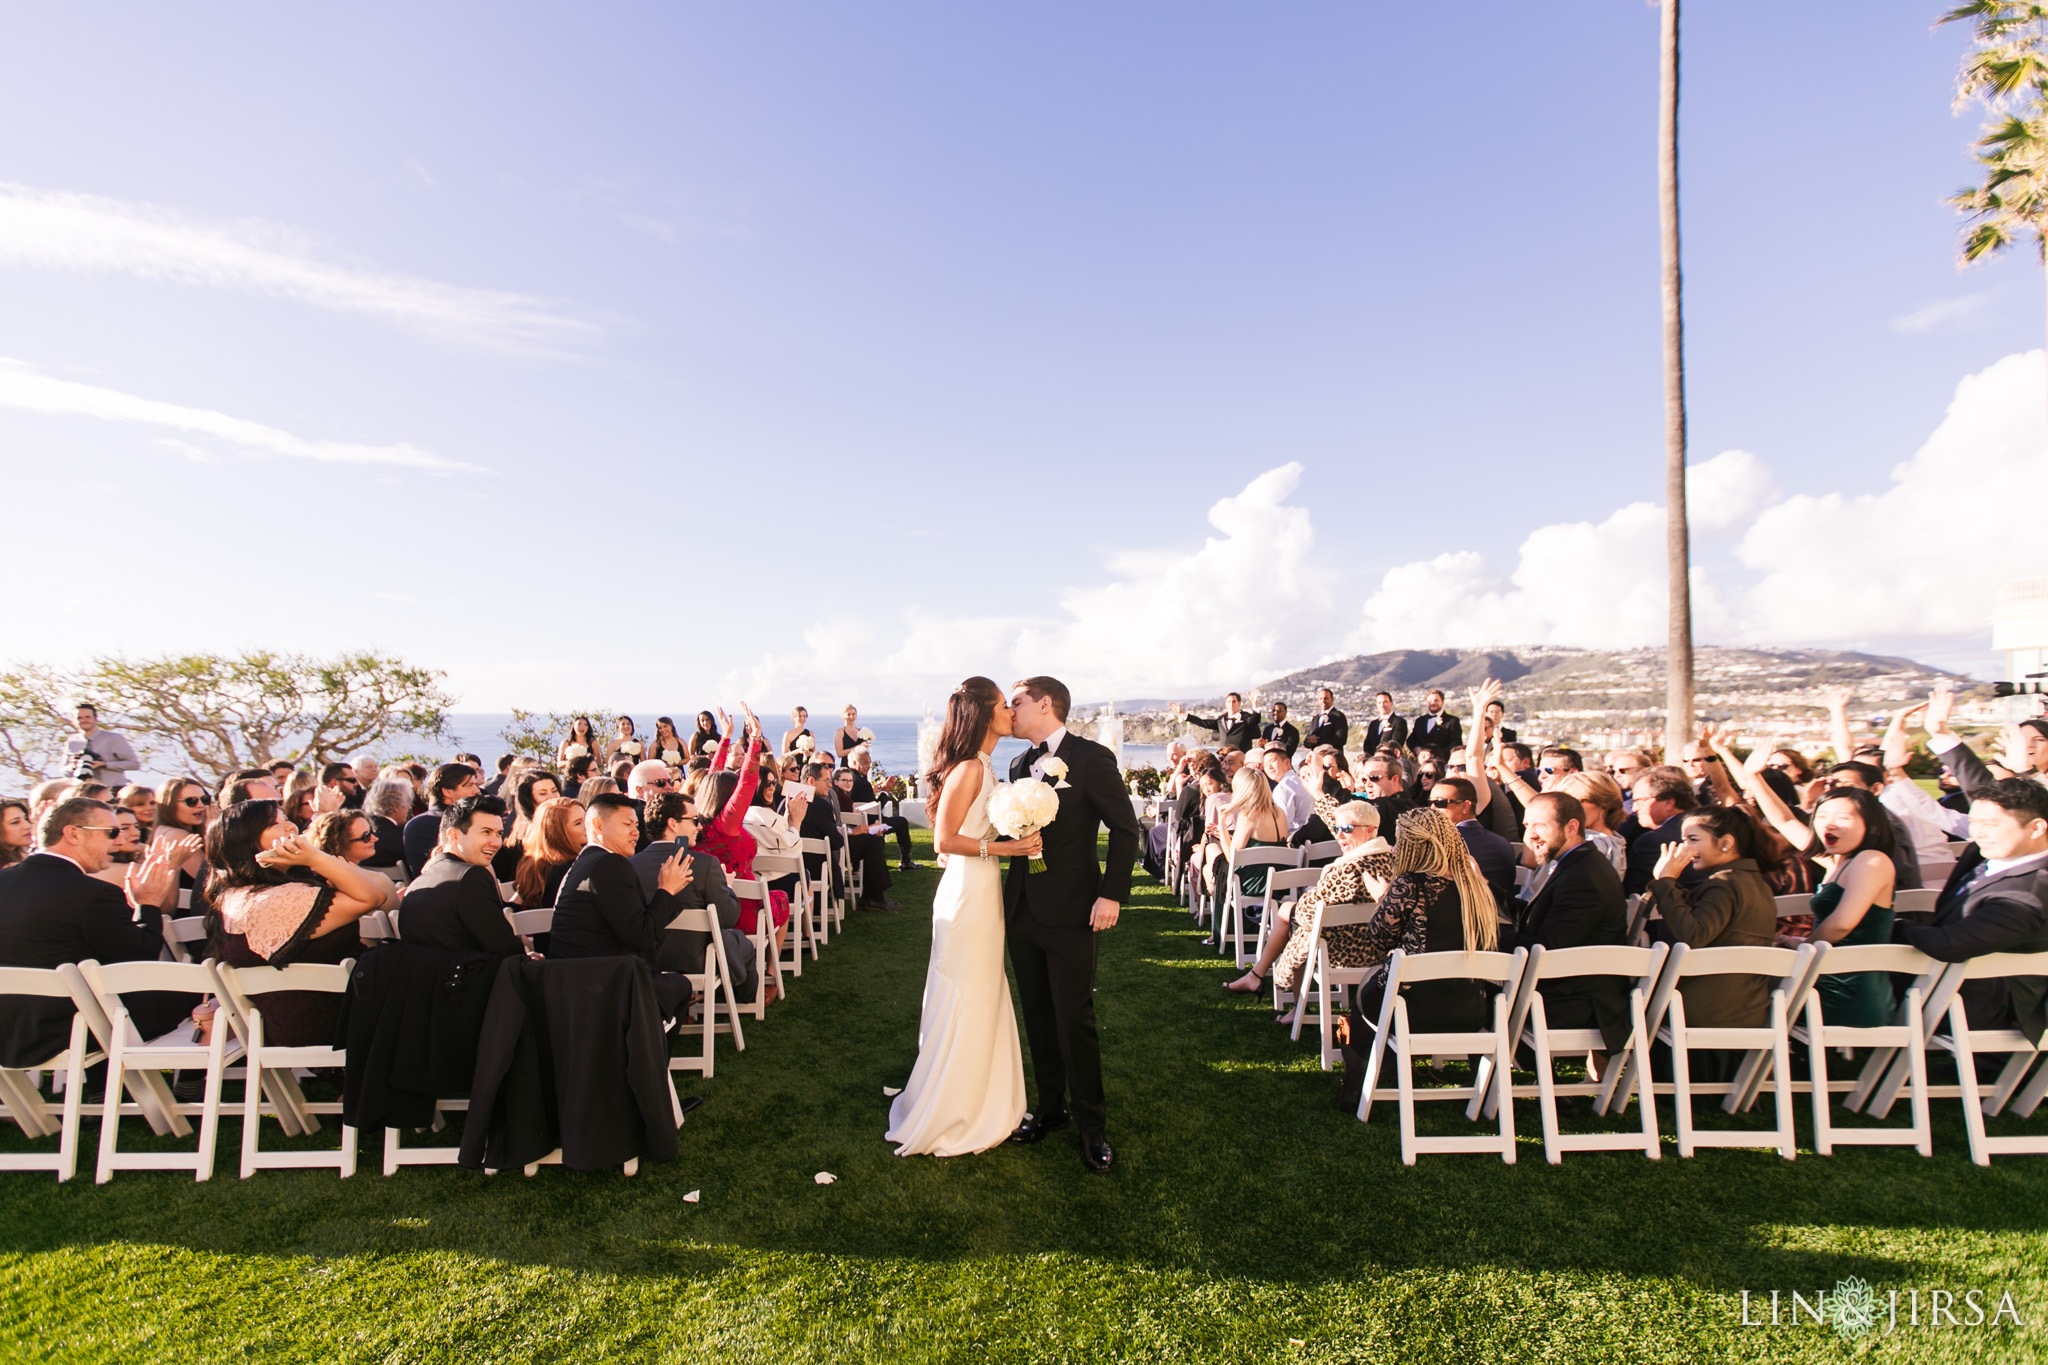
<point x="672" y="757"/>
<point x="631" y="746"/>
<point x="805" y="744"/>
<point x="1020" y="809"/>
<point x="575" y="751"/>
<point x="867" y="736"/>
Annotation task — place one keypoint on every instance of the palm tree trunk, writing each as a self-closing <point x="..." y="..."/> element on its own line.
<point x="1678" y="715"/>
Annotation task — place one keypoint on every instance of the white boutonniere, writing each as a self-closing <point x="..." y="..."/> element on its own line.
<point x="1056" y="769"/>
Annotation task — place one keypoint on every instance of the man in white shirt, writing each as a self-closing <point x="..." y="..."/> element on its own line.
<point x="1288" y="794"/>
<point x="112" y="757"/>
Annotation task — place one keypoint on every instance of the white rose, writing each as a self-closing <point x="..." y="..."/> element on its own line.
<point x="1054" y="768"/>
<point x="631" y="746"/>
<point x="672" y="757"/>
<point x="576" y="751"/>
<point x="867" y="734"/>
<point x="805" y="744"/>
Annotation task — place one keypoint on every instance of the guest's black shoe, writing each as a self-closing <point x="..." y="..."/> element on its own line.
<point x="692" y="1103"/>
<point x="1095" y="1153"/>
<point x="906" y="867"/>
<point x="1033" y="1128"/>
<point x="874" y="905"/>
<point x="188" y="1087"/>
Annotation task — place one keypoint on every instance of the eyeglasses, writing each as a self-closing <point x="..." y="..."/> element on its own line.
<point x="1441" y="803"/>
<point x="193" y="802"/>
<point x="1551" y="771"/>
<point x="363" y="839"/>
<point x="99" y="829"/>
<point x="1344" y="829"/>
<point x="658" y="784"/>
<point x="1454" y="767"/>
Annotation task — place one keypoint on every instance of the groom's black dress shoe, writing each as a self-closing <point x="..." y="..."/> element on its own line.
<point x="1033" y="1128"/>
<point x="1095" y="1153"/>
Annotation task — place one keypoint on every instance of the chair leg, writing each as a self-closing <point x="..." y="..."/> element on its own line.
<point x="1916" y="1057"/>
<point x="110" y="1120"/>
<point x="1966" y="1075"/>
<point x="1646" y="1101"/>
<point x="209" y="1112"/>
<point x="1817" y="1072"/>
<point x="1503" y="1083"/>
<point x="2029" y="1099"/>
<point x="252" y="1104"/>
<point x="1781" y="1061"/>
<point x="1546" y="1084"/>
<point x="1404" y="1081"/>
<point x="1681" y="1088"/>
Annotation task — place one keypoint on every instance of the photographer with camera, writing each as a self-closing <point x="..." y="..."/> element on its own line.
<point x="99" y="755"/>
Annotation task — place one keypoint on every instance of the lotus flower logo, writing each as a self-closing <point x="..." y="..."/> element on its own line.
<point x="1853" y="1307"/>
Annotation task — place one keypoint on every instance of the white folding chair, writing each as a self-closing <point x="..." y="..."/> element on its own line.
<point x="127" y="1050"/>
<point x="180" y="933"/>
<point x="269" y="1066"/>
<point x="527" y="923"/>
<point x="767" y="962"/>
<point x="823" y="905"/>
<point x="773" y="867"/>
<point x="852" y="822"/>
<point x="1908" y="1030"/>
<point x="1284" y="886"/>
<point x="711" y="984"/>
<point x="1237" y="902"/>
<point x="508" y="892"/>
<point x="25" y="1104"/>
<point x="2022" y="1052"/>
<point x="376" y="927"/>
<point x="1769" y="1044"/>
<point x="397" y="1154"/>
<point x="1323" y="981"/>
<point x="1529" y="1023"/>
<point x="1320" y="854"/>
<point x="1919" y="902"/>
<point x="1638" y="935"/>
<point x="1391" y="1034"/>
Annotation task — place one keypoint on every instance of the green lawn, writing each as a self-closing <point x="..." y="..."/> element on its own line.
<point x="1247" y="1219"/>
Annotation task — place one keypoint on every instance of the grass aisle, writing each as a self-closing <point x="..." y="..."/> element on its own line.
<point x="1245" y="1215"/>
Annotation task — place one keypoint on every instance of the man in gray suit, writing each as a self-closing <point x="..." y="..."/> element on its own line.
<point x="673" y="820"/>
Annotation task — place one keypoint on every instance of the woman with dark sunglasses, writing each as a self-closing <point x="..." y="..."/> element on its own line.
<point x="184" y="807"/>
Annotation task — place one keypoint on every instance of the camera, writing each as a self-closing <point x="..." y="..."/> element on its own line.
<point x="2019" y="689"/>
<point x="83" y="769"/>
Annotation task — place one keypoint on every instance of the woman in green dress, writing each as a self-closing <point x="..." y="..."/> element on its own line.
<point x="1851" y="838"/>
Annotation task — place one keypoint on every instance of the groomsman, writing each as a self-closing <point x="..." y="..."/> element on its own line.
<point x="1236" y="727"/>
<point x="1327" y="725"/>
<point x="1434" y="729"/>
<point x="1280" y="732"/>
<point x="1385" y="727"/>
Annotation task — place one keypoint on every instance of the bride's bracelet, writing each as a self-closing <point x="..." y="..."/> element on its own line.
<point x="984" y="850"/>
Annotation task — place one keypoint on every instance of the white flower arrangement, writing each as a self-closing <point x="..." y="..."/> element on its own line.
<point x="805" y="744"/>
<point x="672" y="757"/>
<point x="575" y="751"/>
<point x="1055" y="768"/>
<point x="709" y="746"/>
<point x="631" y="746"/>
<point x="867" y="735"/>
<point x="1020" y="809"/>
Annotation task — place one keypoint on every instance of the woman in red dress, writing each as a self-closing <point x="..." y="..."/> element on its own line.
<point x="725" y="837"/>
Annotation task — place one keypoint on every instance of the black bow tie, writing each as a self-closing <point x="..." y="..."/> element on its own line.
<point x="1035" y="754"/>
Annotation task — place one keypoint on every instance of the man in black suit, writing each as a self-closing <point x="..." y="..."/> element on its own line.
<point x="1580" y="904"/>
<point x="1496" y="715"/>
<point x="53" y="910"/>
<point x="1385" y="727"/>
<point x="672" y="818"/>
<point x="1327" y="725"/>
<point x="860" y="760"/>
<point x="454" y="903"/>
<point x="1996" y="901"/>
<point x="1456" y="797"/>
<point x="1663" y="796"/>
<point x="1435" y="729"/>
<point x="1053" y="916"/>
<point x="340" y="779"/>
<point x="449" y="783"/>
<point x="1384" y="788"/>
<point x="1280" y="732"/>
<point x="1236" y="727"/>
<point x="599" y="912"/>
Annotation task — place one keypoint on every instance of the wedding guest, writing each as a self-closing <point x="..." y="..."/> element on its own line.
<point x="277" y="900"/>
<point x="1361" y="873"/>
<point x="1600" y="803"/>
<point x="1328" y="725"/>
<point x="861" y="760"/>
<point x="1436" y="902"/>
<point x="596" y="787"/>
<point x="1288" y="793"/>
<point x="454" y="903"/>
<point x="498" y="785"/>
<point x="1257" y="823"/>
<point x="625" y="743"/>
<point x="250" y="784"/>
<point x="1730" y="907"/>
<point x="366" y="770"/>
<point x="704" y="739"/>
<point x="340" y="779"/>
<point x="449" y="783"/>
<point x="126" y="849"/>
<point x="1385" y="787"/>
<point x="299" y="788"/>
<point x="1495" y="856"/>
<point x="17" y="835"/>
<point x="1216" y="827"/>
<point x="1663" y="798"/>
<point x="388" y="803"/>
<point x="683" y="950"/>
<point x="142" y="801"/>
<point x="1279" y="731"/>
<point x="1576" y="902"/>
<point x="578" y="773"/>
<point x="601" y="912"/>
<point x="865" y="844"/>
<point x="581" y="743"/>
<point x="553" y="839"/>
<point x="182" y="810"/>
<point x="530" y="791"/>
<point x="725" y="836"/>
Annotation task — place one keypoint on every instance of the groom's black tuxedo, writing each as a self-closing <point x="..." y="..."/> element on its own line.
<point x="1052" y="945"/>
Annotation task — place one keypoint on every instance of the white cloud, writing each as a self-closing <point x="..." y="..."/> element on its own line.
<point x="1949" y="311"/>
<point x="26" y="390"/>
<point x="90" y="234"/>
<point x="1724" y="493"/>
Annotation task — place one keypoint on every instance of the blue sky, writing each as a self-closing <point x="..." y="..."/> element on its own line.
<point x="668" y="354"/>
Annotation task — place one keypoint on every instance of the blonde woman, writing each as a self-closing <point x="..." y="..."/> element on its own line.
<point x="1436" y="903"/>
<point x="1601" y="796"/>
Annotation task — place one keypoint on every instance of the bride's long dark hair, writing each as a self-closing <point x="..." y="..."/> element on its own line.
<point x="968" y="713"/>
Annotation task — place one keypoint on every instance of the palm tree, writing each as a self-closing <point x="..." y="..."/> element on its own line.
<point x="1677" y="533"/>
<point x="2006" y="72"/>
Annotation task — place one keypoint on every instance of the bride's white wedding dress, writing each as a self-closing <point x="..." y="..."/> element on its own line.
<point x="966" y="1093"/>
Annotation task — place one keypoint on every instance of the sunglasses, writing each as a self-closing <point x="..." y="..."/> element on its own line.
<point x="194" y="802"/>
<point x="658" y="784"/>
<point x="99" y="829"/>
<point x="1442" y="804"/>
<point x="1345" y="829"/>
<point x="364" y="839"/>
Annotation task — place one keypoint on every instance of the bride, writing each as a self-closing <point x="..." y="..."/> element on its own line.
<point x="966" y="1093"/>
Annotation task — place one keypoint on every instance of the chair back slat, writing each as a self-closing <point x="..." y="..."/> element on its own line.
<point x="1744" y="961"/>
<point x="527" y="923"/>
<point x="1349" y="912"/>
<point x="304" y="976"/>
<point x="1605" y="959"/>
<point x="1920" y="902"/>
<point x="700" y="920"/>
<point x="2005" y="964"/>
<point x="43" y="981"/>
<point x="1455" y="966"/>
<point x="1878" y="957"/>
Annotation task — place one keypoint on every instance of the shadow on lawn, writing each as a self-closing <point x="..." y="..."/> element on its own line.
<point x="1233" y="1162"/>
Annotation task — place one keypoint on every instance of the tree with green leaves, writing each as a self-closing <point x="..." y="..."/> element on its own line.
<point x="2006" y="71"/>
<point x="212" y="714"/>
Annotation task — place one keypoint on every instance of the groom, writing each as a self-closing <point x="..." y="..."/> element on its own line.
<point x="1054" y="915"/>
